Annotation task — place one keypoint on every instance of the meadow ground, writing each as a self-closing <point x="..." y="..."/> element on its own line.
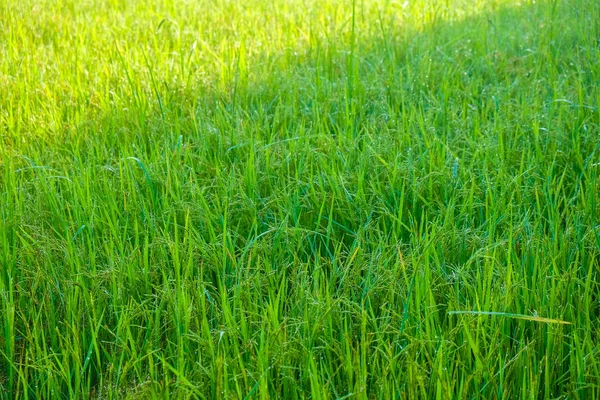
<point x="299" y="199"/>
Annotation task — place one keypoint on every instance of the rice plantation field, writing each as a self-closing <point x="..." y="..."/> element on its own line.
<point x="299" y="199"/>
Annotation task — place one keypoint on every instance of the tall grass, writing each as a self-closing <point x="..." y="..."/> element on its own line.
<point x="299" y="199"/>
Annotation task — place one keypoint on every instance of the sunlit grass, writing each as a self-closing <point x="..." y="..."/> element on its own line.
<point x="306" y="199"/>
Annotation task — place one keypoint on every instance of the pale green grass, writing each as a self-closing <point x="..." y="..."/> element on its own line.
<point x="305" y="199"/>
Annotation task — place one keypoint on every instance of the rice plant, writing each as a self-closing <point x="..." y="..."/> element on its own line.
<point x="324" y="199"/>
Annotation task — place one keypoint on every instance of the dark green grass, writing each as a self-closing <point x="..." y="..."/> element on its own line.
<point x="324" y="200"/>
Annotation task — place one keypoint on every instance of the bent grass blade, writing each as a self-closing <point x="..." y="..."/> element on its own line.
<point x="511" y="315"/>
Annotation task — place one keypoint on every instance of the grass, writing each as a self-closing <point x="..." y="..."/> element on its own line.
<point x="299" y="199"/>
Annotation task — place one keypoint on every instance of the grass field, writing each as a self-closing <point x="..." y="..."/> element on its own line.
<point x="325" y="199"/>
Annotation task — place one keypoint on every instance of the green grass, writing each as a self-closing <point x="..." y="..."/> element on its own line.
<point x="299" y="199"/>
